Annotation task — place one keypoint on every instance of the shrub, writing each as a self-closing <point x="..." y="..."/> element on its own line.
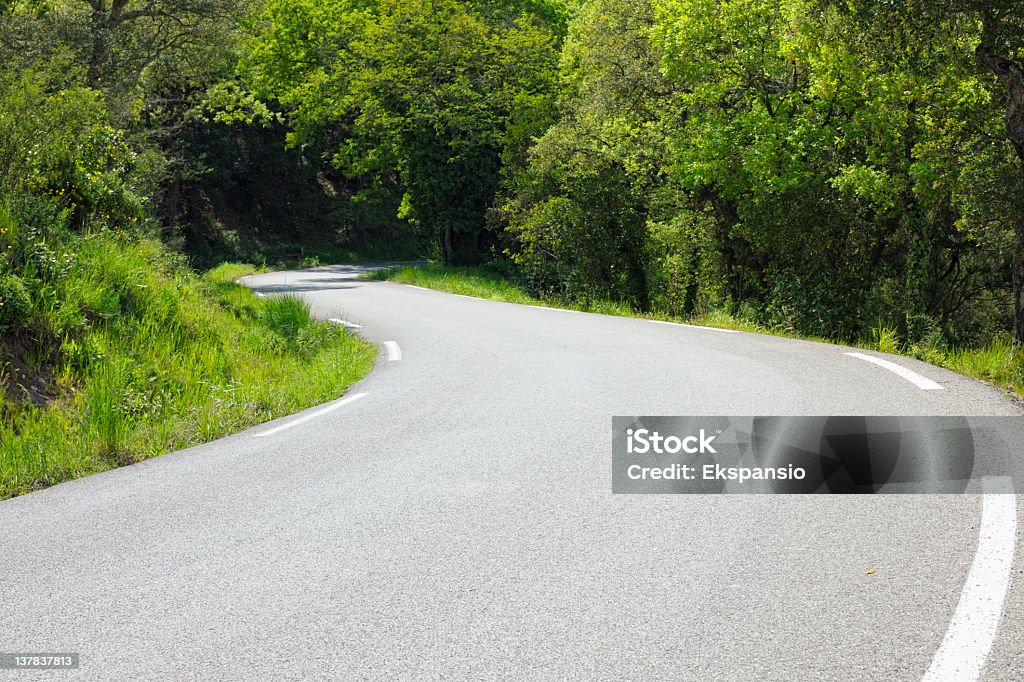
<point x="15" y="303"/>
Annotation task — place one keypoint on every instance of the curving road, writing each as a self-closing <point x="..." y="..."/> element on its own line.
<point x="455" y="521"/>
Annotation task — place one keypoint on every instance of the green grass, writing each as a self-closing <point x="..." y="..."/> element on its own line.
<point x="478" y="282"/>
<point x="230" y="273"/>
<point x="485" y="283"/>
<point x="140" y="356"/>
<point x="998" y="363"/>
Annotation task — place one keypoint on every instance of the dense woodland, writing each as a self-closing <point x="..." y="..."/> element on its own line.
<point x="827" y="167"/>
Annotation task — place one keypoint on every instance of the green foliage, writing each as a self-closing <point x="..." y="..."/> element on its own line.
<point x="138" y="356"/>
<point x="686" y="268"/>
<point x="287" y="316"/>
<point x="998" y="361"/>
<point x="818" y="164"/>
<point x="481" y="282"/>
<point x="428" y="93"/>
<point x="845" y="170"/>
<point x="14" y="303"/>
<point x="579" y="211"/>
<point x="886" y="340"/>
<point x="822" y="166"/>
<point x="55" y="141"/>
<point x="229" y="273"/>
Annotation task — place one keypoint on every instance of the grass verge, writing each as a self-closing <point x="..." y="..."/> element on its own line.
<point x="120" y="352"/>
<point x="998" y="363"/>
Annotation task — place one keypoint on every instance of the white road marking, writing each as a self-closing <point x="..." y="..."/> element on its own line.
<point x="259" y="295"/>
<point x="413" y="286"/>
<point x="475" y="298"/>
<point x="558" y="310"/>
<point x="697" y="326"/>
<point x="394" y="352"/>
<point x="921" y="382"/>
<point x="961" y="656"/>
<point x="329" y="407"/>
<point x="345" y="323"/>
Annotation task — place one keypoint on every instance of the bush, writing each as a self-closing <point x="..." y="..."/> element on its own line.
<point x="15" y="303"/>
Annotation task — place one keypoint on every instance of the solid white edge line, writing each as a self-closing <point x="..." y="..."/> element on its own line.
<point x="924" y="383"/>
<point x="697" y="326"/>
<point x="413" y="286"/>
<point x="557" y="310"/>
<point x="394" y="352"/>
<point x="961" y="656"/>
<point x="329" y="407"/>
<point x="344" y="323"/>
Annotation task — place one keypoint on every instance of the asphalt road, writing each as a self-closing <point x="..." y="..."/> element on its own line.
<point x="456" y="522"/>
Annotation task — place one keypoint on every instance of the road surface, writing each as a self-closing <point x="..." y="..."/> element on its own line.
<point x="455" y="521"/>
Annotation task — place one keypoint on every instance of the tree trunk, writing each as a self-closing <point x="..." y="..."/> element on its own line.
<point x="446" y="247"/>
<point x="1011" y="74"/>
<point x="99" y="54"/>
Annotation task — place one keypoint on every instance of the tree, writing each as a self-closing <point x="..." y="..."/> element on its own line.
<point x="425" y="89"/>
<point x="579" y="211"/>
<point x="1002" y="39"/>
<point x="991" y="32"/>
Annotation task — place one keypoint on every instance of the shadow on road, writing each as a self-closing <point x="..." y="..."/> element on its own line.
<point x="326" y="277"/>
<point x="300" y="285"/>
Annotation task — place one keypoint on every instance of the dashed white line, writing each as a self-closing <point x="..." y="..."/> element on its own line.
<point x="475" y="298"/>
<point x="921" y="382"/>
<point x="413" y="286"/>
<point x="329" y="407"/>
<point x="345" y="323"/>
<point x="697" y="326"/>
<point x="394" y="352"/>
<point x="961" y="656"/>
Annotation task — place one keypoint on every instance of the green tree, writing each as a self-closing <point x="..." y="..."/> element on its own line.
<point x="428" y="90"/>
<point x="580" y="211"/>
<point x="991" y="34"/>
<point x="821" y="141"/>
<point x="1000" y="50"/>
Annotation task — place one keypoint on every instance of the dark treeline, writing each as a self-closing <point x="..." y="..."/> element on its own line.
<point x="826" y="167"/>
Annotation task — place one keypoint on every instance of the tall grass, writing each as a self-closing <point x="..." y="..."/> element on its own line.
<point x="142" y="356"/>
<point x="998" y="362"/>
<point x="286" y="315"/>
<point x="886" y="339"/>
